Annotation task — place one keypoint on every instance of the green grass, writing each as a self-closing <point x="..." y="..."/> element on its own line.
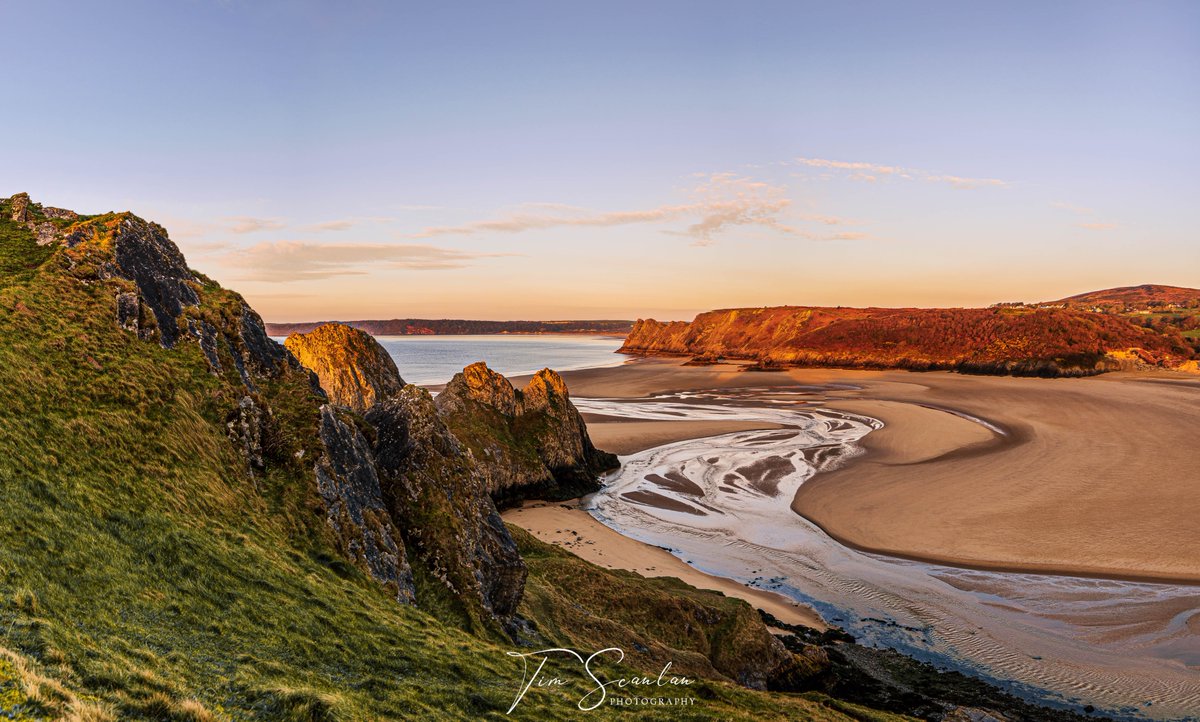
<point x="145" y="575"/>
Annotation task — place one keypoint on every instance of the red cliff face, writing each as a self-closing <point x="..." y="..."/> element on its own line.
<point x="1023" y="341"/>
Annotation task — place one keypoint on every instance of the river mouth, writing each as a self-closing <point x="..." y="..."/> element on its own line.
<point x="722" y="504"/>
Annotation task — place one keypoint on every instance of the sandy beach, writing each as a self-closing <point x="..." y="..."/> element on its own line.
<point x="1094" y="476"/>
<point x="573" y="529"/>
<point x="1021" y="521"/>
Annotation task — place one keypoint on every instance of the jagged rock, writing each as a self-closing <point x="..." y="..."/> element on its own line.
<point x="20" y="207"/>
<point x="145" y="255"/>
<point x="129" y="309"/>
<point x="206" y="335"/>
<point x="46" y="232"/>
<point x="479" y="383"/>
<point x="354" y="369"/>
<point x="62" y="213"/>
<point x="531" y="442"/>
<point x="439" y="501"/>
<point x="264" y="354"/>
<point x="246" y="425"/>
<point x="355" y="509"/>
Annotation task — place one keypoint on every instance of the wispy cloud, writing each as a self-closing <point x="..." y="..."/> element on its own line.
<point x="718" y="203"/>
<point x="341" y="225"/>
<point x="1085" y="212"/>
<point x="871" y="172"/>
<point x="281" y="261"/>
<point x="345" y="224"/>
<point x="250" y="224"/>
<point x="1080" y="210"/>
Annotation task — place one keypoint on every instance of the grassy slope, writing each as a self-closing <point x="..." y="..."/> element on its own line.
<point x="143" y="571"/>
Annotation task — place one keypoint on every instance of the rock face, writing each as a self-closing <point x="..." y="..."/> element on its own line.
<point x="1018" y="341"/>
<point x="353" y="368"/>
<point x="435" y="492"/>
<point x="145" y="255"/>
<point x="527" y="443"/>
<point x="19" y="204"/>
<point x="355" y="508"/>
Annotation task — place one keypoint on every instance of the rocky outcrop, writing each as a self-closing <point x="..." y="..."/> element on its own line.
<point x="439" y="500"/>
<point x="145" y="255"/>
<point x="1017" y="341"/>
<point x="355" y="508"/>
<point x="19" y="207"/>
<point x="527" y="443"/>
<point x="246" y="426"/>
<point x="353" y="368"/>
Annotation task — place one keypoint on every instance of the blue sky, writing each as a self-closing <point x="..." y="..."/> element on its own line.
<point x="572" y="160"/>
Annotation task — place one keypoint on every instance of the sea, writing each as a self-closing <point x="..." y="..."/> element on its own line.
<point x="432" y="360"/>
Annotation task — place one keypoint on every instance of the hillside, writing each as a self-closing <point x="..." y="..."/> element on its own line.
<point x="1133" y="298"/>
<point x="456" y="327"/>
<point x="190" y="531"/>
<point x="1004" y="340"/>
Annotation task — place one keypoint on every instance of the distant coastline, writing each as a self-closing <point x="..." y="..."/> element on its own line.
<point x="463" y="327"/>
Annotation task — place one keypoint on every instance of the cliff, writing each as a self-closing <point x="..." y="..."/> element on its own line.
<point x="353" y="369"/>
<point x="1019" y="341"/>
<point x="191" y="531"/>
<point x="454" y="327"/>
<point x="526" y="443"/>
<point x="448" y="519"/>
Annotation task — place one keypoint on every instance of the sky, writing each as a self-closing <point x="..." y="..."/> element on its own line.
<point x="571" y="160"/>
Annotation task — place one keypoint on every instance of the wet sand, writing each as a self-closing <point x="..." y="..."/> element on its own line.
<point x="626" y="436"/>
<point x="1088" y="477"/>
<point x="1042" y="482"/>
<point x="575" y="530"/>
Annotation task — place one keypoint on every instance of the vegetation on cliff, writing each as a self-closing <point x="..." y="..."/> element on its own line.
<point x="1005" y="340"/>
<point x="168" y="551"/>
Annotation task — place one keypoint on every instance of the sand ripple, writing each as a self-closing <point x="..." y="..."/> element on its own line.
<point x="722" y="504"/>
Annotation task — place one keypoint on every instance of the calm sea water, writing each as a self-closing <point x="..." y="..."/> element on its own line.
<point x="435" y="359"/>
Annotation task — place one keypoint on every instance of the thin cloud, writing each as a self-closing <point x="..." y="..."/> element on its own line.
<point x="519" y="222"/>
<point x="342" y="225"/>
<point x="872" y="172"/>
<point x="345" y="224"/>
<point x="282" y="261"/>
<point x="1080" y="210"/>
<point x="720" y="202"/>
<point x="249" y="224"/>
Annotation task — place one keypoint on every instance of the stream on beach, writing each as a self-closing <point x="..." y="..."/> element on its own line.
<point x="722" y="504"/>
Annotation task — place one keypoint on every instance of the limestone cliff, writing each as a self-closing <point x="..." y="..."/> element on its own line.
<point x="353" y="368"/>
<point x="1019" y="341"/>
<point x="354" y="503"/>
<point x="527" y="443"/>
<point x="436" y="494"/>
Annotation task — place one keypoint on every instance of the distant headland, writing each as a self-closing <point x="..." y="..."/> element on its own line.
<point x="460" y="327"/>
